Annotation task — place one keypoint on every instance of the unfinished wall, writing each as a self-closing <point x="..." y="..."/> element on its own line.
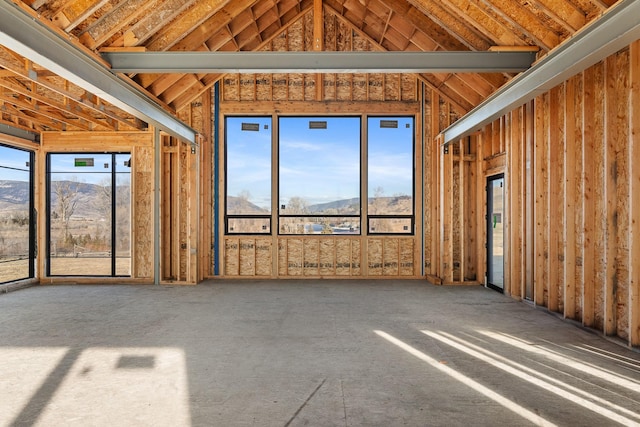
<point x="452" y="224"/>
<point x="320" y="94"/>
<point x="339" y="37"/>
<point x="572" y="166"/>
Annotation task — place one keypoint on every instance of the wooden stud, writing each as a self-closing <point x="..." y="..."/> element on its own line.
<point x="590" y="150"/>
<point x="540" y="210"/>
<point x="623" y="197"/>
<point x="513" y="233"/>
<point x="570" y="198"/>
<point x="446" y="209"/>
<point x="555" y="226"/>
<point x="610" y="317"/>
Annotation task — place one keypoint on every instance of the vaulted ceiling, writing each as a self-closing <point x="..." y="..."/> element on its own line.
<point x="34" y="98"/>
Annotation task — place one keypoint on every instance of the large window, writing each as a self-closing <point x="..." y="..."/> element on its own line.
<point x="318" y="169"/>
<point x="391" y="175"/>
<point x="248" y="175"/>
<point x="16" y="222"/>
<point x="319" y="175"/>
<point x="89" y="214"/>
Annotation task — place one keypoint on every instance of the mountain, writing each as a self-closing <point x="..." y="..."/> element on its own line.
<point x="240" y="205"/>
<point x="14" y="196"/>
<point x="392" y="205"/>
<point x="345" y="206"/>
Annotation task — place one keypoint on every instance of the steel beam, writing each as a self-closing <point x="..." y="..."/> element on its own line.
<point x="319" y="62"/>
<point x="613" y="31"/>
<point x="26" y="36"/>
<point x="19" y="133"/>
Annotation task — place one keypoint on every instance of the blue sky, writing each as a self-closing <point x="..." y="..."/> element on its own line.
<point x="62" y="164"/>
<point x="11" y="159"/>
<point x="319" y="165"/>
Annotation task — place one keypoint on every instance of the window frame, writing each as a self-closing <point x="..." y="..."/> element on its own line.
<point x="363" y="217"/>
<point x="32" y="244"/>
<point x="411" y="216"/>
<point x="357" y="216"/>
<point x="228" y="216"/>
<point x="113" y="174"/>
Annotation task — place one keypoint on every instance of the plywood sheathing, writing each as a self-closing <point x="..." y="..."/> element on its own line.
<point x="337" y="87"/>
<point x="142" y="212"/>
<point x="315" y="256"/>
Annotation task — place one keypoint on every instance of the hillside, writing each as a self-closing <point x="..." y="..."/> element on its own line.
<point x="240" y="205"/>
<point x="14" y="196"/>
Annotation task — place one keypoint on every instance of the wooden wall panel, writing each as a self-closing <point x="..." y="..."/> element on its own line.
<point x="390" y="257"/>
<point x="247" y="255"/>
<point x="264" y="257"/>
<point x="320" y="256"/>
<point x="232" y="257"/>
<point x="142" y="212"/>
<point x="375" y="257"/>
<point x="581" y="187"/>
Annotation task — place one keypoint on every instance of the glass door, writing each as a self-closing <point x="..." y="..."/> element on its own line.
<point x="495" y="232"/>
<point x="89" y="214"/>
<point x="17" y="223"/>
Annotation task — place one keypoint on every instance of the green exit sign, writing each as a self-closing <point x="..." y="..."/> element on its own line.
<point x="86" y="161"/>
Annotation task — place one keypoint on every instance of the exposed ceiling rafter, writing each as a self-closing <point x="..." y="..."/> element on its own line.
<point x="615" y="30"/>
<point x="47" y="49"/>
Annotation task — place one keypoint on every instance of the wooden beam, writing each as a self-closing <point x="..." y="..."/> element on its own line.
<point x="185" y="24"/>
<point x="151" y="22"/>
<point x="458" y="28"/>
<point x="562" y="13"/>
<point x="318" y="43"/>
<point x="521" y="19"/>
<point x="480" y="18"/>
<point x="109" y="24"/>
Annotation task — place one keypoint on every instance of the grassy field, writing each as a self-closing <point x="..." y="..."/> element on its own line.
<point x="67" y="266"/>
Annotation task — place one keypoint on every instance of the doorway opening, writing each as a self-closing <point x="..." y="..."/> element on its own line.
<point x="495" y="232"/>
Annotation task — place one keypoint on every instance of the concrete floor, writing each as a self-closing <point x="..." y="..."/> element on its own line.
<point x="294" y="353"/>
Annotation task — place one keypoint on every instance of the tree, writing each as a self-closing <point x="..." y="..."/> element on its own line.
<point x="66" y="200"/>
<point x="376" y="204"/>
<point x="297" y="206"/>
